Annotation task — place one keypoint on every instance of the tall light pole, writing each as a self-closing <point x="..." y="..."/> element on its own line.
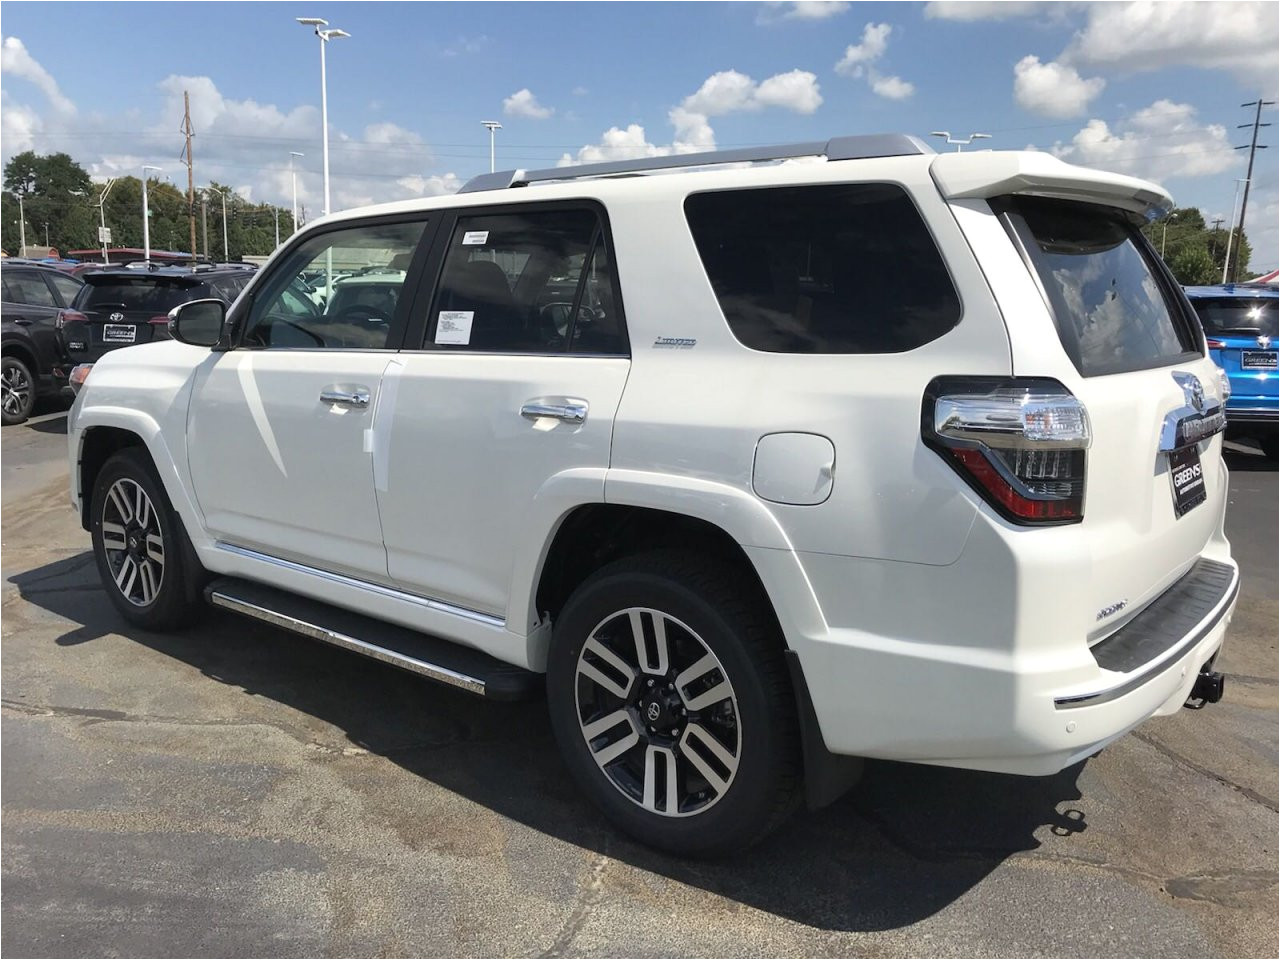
<point x="1164" y="232"/>
<point x="1231" y="233"/>
<point x="102" y="217"/>
<point x="226" y="257"/>
<point x="293" y="174"/>
<point x="325" y="36"/>
<point x="959" y="144"/>
<point x="146" y="215"/>
<point x="493" y="126"/>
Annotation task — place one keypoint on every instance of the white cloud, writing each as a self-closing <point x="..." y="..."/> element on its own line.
<point x="16" y="61"/>
<point x="796" y="90"/>
<point x="1240" y="38"/>
<point x="617" y="144"/>
<point x="19" y="126"/>
<point x="1053" y="89"/>
<point x="981" y="10"/>
<point x="860" y="60"/>
<point x="875" y="40"/>
<point x="523" y="103"/>
<point x="420" y="186"/>
<point x="1158" y="142"/>
<point x="893" y="88"/>
<point x="724" y="92"/>
<point x="801" y="10"/>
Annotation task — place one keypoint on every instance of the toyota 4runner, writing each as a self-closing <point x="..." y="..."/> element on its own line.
<point x="757" y="462"/>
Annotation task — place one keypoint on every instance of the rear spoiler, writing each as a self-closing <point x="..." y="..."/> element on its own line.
<point x="986" y="174"/>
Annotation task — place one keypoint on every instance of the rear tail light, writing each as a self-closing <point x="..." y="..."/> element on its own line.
<point x="1215" y="344"/>
<point x="68" y="316"/>
<point x="1019" y="442"/>
<point x="161" y="321"/>
<point x="1224" y="386"/>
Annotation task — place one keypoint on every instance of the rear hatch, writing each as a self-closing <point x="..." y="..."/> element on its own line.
<point x="1242" y="335"/>
<point x="119" y="310"/>
<point x="1137" y="363"/>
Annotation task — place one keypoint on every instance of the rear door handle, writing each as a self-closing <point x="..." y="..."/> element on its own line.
<point x="345" y="396"/>
<point x="568" y="409"/>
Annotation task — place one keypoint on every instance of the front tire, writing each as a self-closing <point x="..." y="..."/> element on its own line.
<point x="144" y="558"/>
<point x="19" y="389"/>
<point x="671" y="703"/>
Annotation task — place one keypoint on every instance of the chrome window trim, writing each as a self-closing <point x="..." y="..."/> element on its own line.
<point x="439" y="606"/>
<point x="1151" y="670"/>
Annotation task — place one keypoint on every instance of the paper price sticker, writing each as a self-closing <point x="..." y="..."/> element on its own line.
<point x="454" y="326"/>
<point x="475" y="238"/>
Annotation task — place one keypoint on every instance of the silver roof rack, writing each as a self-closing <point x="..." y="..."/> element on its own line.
<point x="862" y="147"/>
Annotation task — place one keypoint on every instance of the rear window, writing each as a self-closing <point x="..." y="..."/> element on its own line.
<point x="1115" y="309"/>
<point x="154" y="294"/>
<point x="1237" y="315"/>
<point x="838" y="268"/>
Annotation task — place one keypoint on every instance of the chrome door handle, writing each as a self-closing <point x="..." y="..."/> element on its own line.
<point x="347" y="397"/>
<point x="568" y="409"/>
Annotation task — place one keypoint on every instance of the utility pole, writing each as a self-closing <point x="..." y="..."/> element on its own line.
<point x="22" y="225"/>
<point x="191" y="182"/>
<point x="277" y="210"/>
<point x="1254" y="147"/>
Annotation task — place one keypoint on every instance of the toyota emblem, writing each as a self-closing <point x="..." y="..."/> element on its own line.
<point x="653" y="712"/>
<point x="117" y="317"/>
<point x="1264" y="342"/>
<point x="1192" y="390"/>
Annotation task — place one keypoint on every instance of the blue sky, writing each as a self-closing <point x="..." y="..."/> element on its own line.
<point x="1148" y="89"/>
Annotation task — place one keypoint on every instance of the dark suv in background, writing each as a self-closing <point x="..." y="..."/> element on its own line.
<point x="1239" y="323"/>
<point x="34" y="361"/>
<point x="121" y="306"/>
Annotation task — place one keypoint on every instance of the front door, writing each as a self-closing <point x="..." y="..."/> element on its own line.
<point x="278" y="441"/>
<point x="523" y="357"/>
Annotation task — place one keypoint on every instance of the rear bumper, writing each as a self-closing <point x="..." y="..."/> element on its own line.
<point x="1023" y="714"/>
<point x="1258" y="414"/>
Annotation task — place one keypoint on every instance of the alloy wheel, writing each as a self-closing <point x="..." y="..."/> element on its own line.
<point x="133" y="542"/>
<point x="658" y="712"/>
<point x="17" y="390"/>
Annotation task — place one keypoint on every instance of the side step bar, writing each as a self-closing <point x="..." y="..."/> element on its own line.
<point x="418" y="653"/>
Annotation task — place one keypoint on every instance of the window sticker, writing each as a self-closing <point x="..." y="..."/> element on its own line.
<point x="475" y="238"/>
<point x="454" y="326"/>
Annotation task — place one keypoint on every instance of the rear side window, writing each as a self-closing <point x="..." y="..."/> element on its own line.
<point x="531" y="281"/>
<point x="1115" y="309"/>
<point x="840" y="268"/>
<point x="1253" y="316"/>
<point x="67" y="287"/>
<point x="29" y="288"/>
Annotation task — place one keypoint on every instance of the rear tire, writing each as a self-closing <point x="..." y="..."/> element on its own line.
<point x="702" y="756"/>
<point x="19" y="391"/>
<point x="146" y="562"/>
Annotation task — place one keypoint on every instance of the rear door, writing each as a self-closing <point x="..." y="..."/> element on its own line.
<point x="1125" y="343"/>
<point x="122" y="309"/>
<point x="1242" y="337"/>
<point x="509" y="384"/>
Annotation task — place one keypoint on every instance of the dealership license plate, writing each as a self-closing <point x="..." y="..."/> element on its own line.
<point x="1258" y="360"/>
<point x="1188" y="479"/>
<point x="119" y="333"/>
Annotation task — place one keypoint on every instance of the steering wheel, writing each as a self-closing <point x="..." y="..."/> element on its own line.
<point x="556" y="316"/>
<point x="359" y="312"/>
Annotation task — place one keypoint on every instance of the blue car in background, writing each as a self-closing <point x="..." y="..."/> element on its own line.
<point x="1239" y="323"/>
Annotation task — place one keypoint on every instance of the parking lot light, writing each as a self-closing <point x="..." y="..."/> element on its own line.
<point x="325" y="36"/>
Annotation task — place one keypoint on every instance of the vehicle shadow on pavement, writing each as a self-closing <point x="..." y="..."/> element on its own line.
<point x="904" y="844"/>
<point x="1241" y="458"/>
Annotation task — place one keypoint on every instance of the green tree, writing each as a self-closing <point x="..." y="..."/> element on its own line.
<point x="1194" y="251"/>
<point x="57" y="198"/>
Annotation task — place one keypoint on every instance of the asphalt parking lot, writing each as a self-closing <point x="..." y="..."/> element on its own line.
<point x="236" y="790"/>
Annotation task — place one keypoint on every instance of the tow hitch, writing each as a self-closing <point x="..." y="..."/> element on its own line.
<point x="1209" y="686"/>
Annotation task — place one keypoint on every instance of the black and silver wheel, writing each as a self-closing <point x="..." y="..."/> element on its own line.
<point x="670" y="701"/>
<point x="147" y="566"/>
<point x="19" y="391"/>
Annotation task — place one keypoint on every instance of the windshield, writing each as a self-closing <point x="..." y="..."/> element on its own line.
<point x="1222" y="315"/>
<point x="1113" y="310"/>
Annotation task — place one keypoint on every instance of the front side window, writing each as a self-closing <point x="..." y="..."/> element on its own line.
<point x="337" y="290"/>
<point x="839" y="268"/>
<point x="527" y="282"/>
<point x="1114" y="313"/>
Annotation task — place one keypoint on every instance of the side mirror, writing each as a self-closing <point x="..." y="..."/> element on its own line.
<point x="198" y="322"/>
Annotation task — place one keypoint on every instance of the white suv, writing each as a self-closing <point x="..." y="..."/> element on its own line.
<point x="758" y="462"/>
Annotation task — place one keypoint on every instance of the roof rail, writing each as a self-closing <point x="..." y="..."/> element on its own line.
<point x="862" y="147"/>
